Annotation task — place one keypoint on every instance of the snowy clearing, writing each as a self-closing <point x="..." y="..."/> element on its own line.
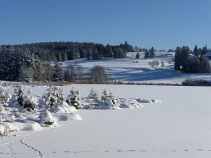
<point x="139" y="70"/>
<point x="179" y="126"/>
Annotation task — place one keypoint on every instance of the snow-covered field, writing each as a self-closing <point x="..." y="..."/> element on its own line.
<point x="178" y="126"/>
<point x="138" y="70"/>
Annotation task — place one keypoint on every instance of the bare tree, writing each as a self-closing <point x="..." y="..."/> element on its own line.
<point x="98" y="74"/>
<point x="154" y="64"/>
<point x="69" y="73"/>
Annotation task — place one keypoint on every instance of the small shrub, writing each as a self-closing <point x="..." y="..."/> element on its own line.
<point x="192" y="82"/>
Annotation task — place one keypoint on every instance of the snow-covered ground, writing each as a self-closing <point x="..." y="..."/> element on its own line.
<point x="138" y="70"/>
<point x="179" y="126"/>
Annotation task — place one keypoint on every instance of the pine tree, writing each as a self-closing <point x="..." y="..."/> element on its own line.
<point x="187" y="61"/>
<point x="196" y="51"/>
<point x="137" y="55"/>
<point x="205" y="65"/>
<point x="152" y="52"/>
<point x="57" y="73"/>
<point x="146" y="54"/>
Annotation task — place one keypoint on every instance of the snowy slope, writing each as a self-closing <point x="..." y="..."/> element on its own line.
<point x="179" y="126"/>
<point x="138" y="70"/>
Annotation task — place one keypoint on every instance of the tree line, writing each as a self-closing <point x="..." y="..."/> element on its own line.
<point x="62" y="51"/>
<point x="19" y="66"/>
<point x="191" y="61"/>
<point x="40" y="61"/>
<point x="27" y="67"/>
<point x="33" y="62"/>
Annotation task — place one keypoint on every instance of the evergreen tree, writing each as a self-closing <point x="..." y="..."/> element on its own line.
<point x="196" y="51"/>
<point x="152" y="52"/>
<point x="205" y="65"/>
<point x="204" y="50"/>
<point x="137" y="55"/>
<point x="17" y="66"/>
<point x="57" y="73"/>
<point x="146" y="54"/>
<point x="187" y="61"/>
<point x="181" y="56"/>
<point x="60" y="51"/>
<point x="46" y="71"/>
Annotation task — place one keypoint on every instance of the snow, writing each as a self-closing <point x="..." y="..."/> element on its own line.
<point x="129" y="103"/>
<point x="33" y="111"/>
<point x="26" y="112"/>
<point x="33" y="126"/>
<point x="109" y="120"/>
<point x="138" y="70"/>
<point x="3" y="130"/>
<point x="179" y="126"/>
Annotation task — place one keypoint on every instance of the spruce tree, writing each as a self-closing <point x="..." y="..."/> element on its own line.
<point x="146" y="54"/>
<point x="57" y="73"/>
<point x="152" y="52"/>
<point x="137" y="55"/>
<point x="196" y="51"/>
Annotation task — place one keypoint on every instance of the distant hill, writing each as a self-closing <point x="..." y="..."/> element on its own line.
<point x="61" y="51"/>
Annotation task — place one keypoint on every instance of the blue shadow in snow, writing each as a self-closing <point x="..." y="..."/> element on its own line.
<point x="145" y="74"/>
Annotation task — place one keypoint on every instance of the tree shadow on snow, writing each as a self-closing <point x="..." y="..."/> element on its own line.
<point x="145" y="74"/>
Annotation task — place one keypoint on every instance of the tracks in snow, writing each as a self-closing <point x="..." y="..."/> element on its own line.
<point x="128" y="151"/>
<point x="39" y="153"/>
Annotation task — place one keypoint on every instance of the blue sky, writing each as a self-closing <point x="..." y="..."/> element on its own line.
<point x="144" y="23"/>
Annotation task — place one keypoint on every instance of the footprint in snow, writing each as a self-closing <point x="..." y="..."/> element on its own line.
<point x="132" y="150"/>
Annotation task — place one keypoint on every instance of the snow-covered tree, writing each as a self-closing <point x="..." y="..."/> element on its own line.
<point x="47" y="119"/>
<point x="3" y="130"/>
<point x="21" y="66"/>
<point x="26" y="102"/>
<point x="4" y="96"/>
<point x="93" y="96"/>
<point x="3" y="102"/>
<point x="56" y="102"/>
<point x="108" y="101"/>
<point x="74" y="99"/>
<point x="4" y="99"/>
<point x="52" y="96"/>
